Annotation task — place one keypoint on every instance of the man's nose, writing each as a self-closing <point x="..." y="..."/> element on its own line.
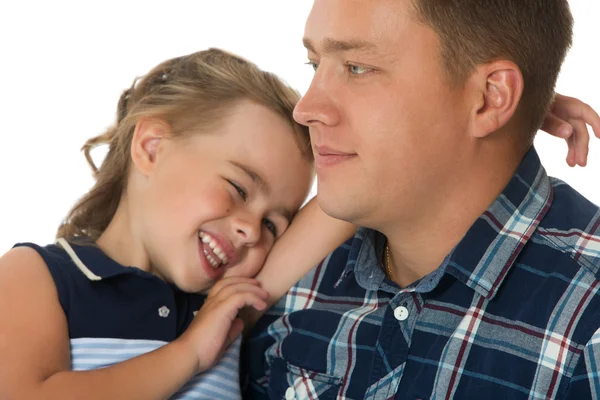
<point x="318" y="105"/>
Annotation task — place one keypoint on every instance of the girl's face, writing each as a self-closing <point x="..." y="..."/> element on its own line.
<point x="215" y="202"/>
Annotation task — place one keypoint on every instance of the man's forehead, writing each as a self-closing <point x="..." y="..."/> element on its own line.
<point x="361" y="12"/>
<point x="367" y="26"/>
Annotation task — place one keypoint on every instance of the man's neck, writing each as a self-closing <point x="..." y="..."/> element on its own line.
<point x="418" y="244"/>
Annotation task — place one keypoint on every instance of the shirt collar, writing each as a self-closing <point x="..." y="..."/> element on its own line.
<point x="488" y="250"/>
<point x="93" y="262"/>
<point x="490" y="247"/>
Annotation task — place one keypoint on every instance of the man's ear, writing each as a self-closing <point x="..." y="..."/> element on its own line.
<point x="146" y="143"/>
<point x="497" y="87"/>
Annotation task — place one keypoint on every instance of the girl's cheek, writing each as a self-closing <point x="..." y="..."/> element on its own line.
<point x="253" y="263"/>
<point x="219" y="201"/>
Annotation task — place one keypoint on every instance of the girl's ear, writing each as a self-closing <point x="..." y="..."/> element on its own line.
<point x="146" y="143"/>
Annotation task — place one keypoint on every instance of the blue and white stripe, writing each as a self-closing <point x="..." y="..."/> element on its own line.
<point x="220" y="382"/>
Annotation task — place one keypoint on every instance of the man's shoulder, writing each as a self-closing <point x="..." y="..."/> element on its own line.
<point x="337" y="263"/>
<point x="330" y="278"/>
<point x="571" y="227"/>
<point x="571" y="210"/>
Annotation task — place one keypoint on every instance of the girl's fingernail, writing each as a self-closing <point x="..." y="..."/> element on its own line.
<point x="565" y="132"/>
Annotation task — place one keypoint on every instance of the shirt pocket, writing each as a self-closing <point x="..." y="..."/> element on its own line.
<point x="287" y="381"/>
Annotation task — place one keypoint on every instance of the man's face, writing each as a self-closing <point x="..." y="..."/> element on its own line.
<point x="386" y="127"/>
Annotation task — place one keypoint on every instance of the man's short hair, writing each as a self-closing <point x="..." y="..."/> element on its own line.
<point x="534" y="34"/>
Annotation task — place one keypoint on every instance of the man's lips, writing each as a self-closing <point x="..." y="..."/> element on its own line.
<point x="326" y="157"/>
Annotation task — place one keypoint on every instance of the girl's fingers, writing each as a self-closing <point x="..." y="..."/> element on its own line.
<point x="238" y="288"/>
<point x="226" y="282"/>
<point x="230" y="307"/>
<point x="557" y="127"/>
<point x="581" y="136"/>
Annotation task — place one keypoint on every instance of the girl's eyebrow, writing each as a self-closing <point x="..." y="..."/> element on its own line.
<point x="287" y="214"/>
<point x="256" y="178"/>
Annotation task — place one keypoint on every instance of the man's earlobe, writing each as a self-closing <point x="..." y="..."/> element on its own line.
<point x="500" y="94"/>
<point x="145" y="143"/>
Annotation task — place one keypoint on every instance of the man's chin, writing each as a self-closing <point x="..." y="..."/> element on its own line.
<point x="340" y="207"/>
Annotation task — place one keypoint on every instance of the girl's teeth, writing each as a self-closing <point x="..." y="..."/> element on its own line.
<point x="221" y="255"/>
<point x="211" y="260"/>
<point x="214" y="247"/>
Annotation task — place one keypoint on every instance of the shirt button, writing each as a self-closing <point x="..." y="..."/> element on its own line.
<point x="401" y="313"/>
<point x="290" y="393"/>
<point x="163" y="312"/>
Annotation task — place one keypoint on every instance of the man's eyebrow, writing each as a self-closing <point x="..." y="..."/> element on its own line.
<point x="256" y="178"/>
<point x="336" y="46"/>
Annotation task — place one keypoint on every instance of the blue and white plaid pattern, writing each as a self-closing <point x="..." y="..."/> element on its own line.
<point x="512" y="313"/>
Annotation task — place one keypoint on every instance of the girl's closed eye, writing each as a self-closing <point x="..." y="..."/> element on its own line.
<point x="271" y="227"/>
<point x="240" y="190"/>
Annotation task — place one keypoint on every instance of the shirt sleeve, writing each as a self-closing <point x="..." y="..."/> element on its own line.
<point x="57" y="268"/>
<point x="585" y="383"/>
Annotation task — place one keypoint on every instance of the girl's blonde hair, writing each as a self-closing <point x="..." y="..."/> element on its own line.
<point x="191" y="93"/>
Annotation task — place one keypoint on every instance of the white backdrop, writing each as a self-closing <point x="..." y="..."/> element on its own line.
<point x="65" y="63"/>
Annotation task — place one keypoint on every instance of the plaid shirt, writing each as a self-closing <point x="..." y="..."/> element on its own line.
<point x="512" y="313"/>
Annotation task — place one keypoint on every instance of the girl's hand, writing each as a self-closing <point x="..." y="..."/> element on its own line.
<point x="217" y="324"/>
<point x="568" y="119"/>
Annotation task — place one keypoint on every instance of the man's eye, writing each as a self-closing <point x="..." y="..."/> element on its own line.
<point x="313" y="65"/>
<point x="270" y="226"/>
<point x="239" y="189"/>
<point x="358" y="70"/>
